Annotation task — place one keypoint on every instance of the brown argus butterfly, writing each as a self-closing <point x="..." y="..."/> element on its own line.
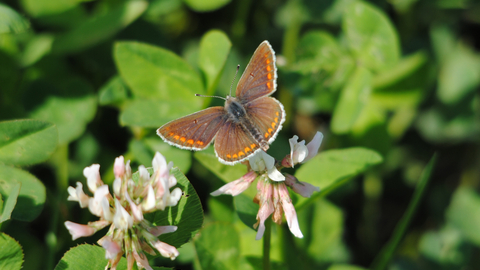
<point x="246" y="124"/>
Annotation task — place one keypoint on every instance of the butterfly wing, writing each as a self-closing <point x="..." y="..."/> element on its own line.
<point x="260" y="76"/>
<point x="195" y="131"/>
<point x="233" y="144"/>
<point x="268" y="115"/>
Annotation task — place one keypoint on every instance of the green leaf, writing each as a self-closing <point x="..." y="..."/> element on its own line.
<point x="152" y="113"/>
<point x="25" y="142"/>
<point x="70" y="106"/>
<point x="225" y="172"/>
<point x="371" y="36"/>
<point x="459" y="75"/>
<point x="214" y="49"/>
<point x="246" y="209"/>
<point x="39" y="8"/>
<point x="11" y="21"/>
<point x="464" y="213"/>
<point x="206" y="5"/>
<point x="11" y="201"/>
<point x="317" y="50"/>
<point x="353" y="98"/>
<point x="445" y="246"/>
<point x="330" y="169"/>
<point x="218" y="247"/>
<point x="323" y="227"/>
<point x="159" y="76"/>
<point x="187" y="215"/>
<point x="387" y="252"/>
<point x="99" y="28"/>
<point x="32" y="193"/>
<point x="37" y="47"/>
<point x="402" y="69"/>
<point x="345" y="267"/>
<point x="156" y="73"/>
<point x="86" y="257"/>
<point x="11" y="254"/>
<point x="113" y="92"/>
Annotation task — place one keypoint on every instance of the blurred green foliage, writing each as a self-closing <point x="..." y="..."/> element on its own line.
<point x="392" y="82"/>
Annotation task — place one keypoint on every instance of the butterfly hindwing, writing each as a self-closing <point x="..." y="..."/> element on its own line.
<point x="233" y="144"/>
<point x="195" y="131"/>
<point x="260" y="76"/>
<point x="268" y="115"/>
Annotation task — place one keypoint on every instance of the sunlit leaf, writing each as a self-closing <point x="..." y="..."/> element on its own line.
<point x="206" y="5"/>
<point x="214" y="49"/>
<point x="464" y="213"/>
<point x="32" y="194"/>
<point x="459" y="75"/>
<point x="187" y="215"/>
<point x="371" y="36"/>
<point x="218" y="247"/>
<point x="113" y="92"/>
<point x="11" y="21"/>
<point x="25" y="142"/>
<point x="76" y="259"/>
<point x="10" y="201"/>
<point x="99" y="28"/>
<point x="11" y="253"/>
<point x="353" y="98"/>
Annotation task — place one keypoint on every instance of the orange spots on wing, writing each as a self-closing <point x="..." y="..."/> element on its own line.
<point x="247" y="150"/>
<point x="235" y="156"/>
<point x="176" y="137"/>
<point x="171" y="134"/>
<point x="269" y="68"/>
<point x="273" y="124"/>
<point x="276" y="119"/>
<point x="241" y="154"/>
<point x="190" y="141"/>
<point x="277" y="113"/>
<point x="199" y="142"/>
<point x="269" y="85"/>
<point x="269" y="76"/>
<point x="266" y="55"/>
<point x="229" y="156"/>
<point x="266" y="134"/>
<point x="182" y="139"/>
<point x="270" y="130"/>
<point x="252" y="146"/>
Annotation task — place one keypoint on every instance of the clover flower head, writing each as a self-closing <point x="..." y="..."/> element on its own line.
<point x="129" y="232"/>
<point x="272" y="192"/>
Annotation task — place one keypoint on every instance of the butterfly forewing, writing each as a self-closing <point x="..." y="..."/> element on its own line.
<point x="268" y="115"/>
<point x="195" y="131"/>
<point x="233" y="144"/>
<point x="260" y="76"/>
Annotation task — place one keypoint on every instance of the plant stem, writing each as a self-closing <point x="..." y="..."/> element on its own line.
<point x="266" y="244"/>
<point x="382" y="259"/>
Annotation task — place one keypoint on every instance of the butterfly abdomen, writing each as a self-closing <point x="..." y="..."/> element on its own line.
<point x="237" y="114"/>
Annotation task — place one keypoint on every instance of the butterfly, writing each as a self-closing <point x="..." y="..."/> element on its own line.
<point x="248" y="122"/>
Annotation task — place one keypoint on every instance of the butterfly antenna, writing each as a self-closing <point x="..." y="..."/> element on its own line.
<point x="231" y="85"/>
<point x="198" y="95"/>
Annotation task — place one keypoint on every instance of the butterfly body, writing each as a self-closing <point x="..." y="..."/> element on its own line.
<point x="248" y="122"/>
<point x="237" y="114"/>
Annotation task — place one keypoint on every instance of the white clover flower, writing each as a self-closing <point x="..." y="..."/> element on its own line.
<point x="129" y="233"/>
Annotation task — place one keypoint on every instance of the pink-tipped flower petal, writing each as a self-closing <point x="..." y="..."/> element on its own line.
<point x="77" y="194"/>
<point x="303" y="188"/>
<point x="238" y="186"/>
<point x="159" y="230"/>
<point x="79" y="230"/>
<point x="119" y="167"/>
<point x="313" y="146"/>
<point x="166" y="250"/>
<point x="289" y="210"/>
<point x="92" y="174"/>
